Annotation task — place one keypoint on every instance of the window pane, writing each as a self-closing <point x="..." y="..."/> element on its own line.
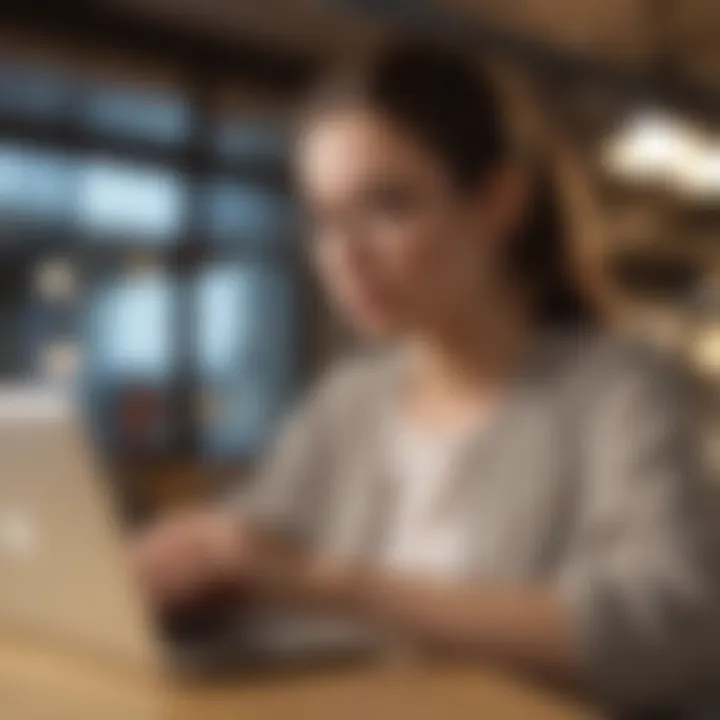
<point x="252" y="139"/>
<point x="32" y="92"/>
<point x="154" y="116"/>
<point x="129" y="328"/>
<point x="35" y="185"/>
<point x="121" y="201"/>
<point x="128" y="351"/>
<point x="246" y="349"/>
<point x="241" y="214"/>
<point x="15" y="358"/>
<point x="38" y="313"/>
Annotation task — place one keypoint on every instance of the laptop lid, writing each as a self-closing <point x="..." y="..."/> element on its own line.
<point x="63" y="571"/>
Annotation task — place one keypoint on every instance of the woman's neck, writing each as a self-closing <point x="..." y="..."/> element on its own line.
<point x="477" y="351"/>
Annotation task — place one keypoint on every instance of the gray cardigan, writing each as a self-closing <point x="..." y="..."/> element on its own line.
<point x="588" y="481"/>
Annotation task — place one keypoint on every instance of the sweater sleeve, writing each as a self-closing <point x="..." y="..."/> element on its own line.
<point x="294" y="485"/>
<point x="283" y="491"/>
<point x="642" y="585"/>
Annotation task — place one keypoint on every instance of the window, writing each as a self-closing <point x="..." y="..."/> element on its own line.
<point x="33" y="92"/>
<point x="245" y="344"/>
<point x="157" y="117"/>
<point x="242" y="213"/>
<point x="129" y="328"/>
<point x="36" y="185"/>
<point x="136" y="204"/>
<point x="253" y="138"/>
<point x="116" y="249"/>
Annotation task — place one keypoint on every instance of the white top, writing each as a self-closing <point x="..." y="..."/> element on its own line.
<point x="427" y="532"/>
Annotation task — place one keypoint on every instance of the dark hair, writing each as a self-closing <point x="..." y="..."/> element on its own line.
<point x="452" y="107"/>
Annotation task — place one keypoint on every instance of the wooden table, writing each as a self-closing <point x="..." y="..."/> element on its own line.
<point x="40" y="683"/>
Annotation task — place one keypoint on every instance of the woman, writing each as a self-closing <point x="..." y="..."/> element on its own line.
<point x="500" y="480"/>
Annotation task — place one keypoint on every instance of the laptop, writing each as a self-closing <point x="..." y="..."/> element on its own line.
<point x="64" y="572"/>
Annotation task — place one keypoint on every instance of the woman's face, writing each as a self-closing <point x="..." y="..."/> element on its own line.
<point x="396" y="245"/>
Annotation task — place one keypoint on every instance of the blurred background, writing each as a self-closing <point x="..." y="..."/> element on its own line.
<point x="149" y="246"/>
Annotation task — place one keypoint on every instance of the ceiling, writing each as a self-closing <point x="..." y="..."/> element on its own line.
<point x="632" y="33"/>
<point x="680" y="36"/>
<point x="315" y="27"/>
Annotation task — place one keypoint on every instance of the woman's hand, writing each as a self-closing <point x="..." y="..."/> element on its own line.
<point x="186" y="558"/>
